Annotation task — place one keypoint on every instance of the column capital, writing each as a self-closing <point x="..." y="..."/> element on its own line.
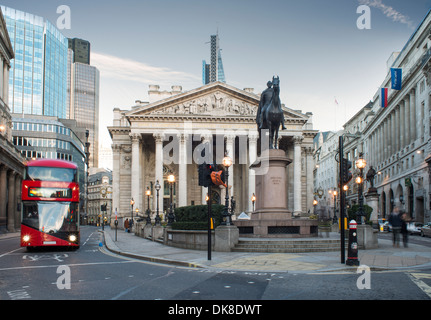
<point x="183" y="137"/>
<point x="297" y="140"/>
<point x="253" y="137"/>
<point x="159" y="137"/>
<point x="230" y="137"/>
<point x="136" y="137"/>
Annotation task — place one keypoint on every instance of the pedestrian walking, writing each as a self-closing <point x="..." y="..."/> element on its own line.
<point x="396" y="223"/>
<point x="404" y="221"/>
<point x="126" y="225"/>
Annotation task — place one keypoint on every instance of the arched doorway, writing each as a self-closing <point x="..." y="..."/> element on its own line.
<point x="391" y="201"/>
<point x="215" y="197"/>
<point x="410" y="202"/>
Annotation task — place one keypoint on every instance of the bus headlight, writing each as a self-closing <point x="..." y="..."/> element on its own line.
<point x="72" y="238"/>
<point x="26" y="238"/>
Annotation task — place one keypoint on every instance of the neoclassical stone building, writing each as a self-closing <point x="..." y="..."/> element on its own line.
<point x="11" y="161"/>
<point x="167" y="135"/>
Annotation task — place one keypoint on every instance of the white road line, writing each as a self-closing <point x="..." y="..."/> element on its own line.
<point x="5" y="254"/>
<point x="416" y="278"/>
<point x="69" y="265"/>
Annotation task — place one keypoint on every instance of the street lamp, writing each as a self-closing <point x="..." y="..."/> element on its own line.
<point x="148" y="194"/>
<point x="227" y="220"/>
<point x="171" y="217"/>
<point x="132" y="202"/>
<point x="361" y="164"/>
<point x="335" y="193"/>
<point x="253" y="200"/>
<point x="157" y="220"/>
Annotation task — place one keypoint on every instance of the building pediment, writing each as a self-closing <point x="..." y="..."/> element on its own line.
<point x="213" y="100"/>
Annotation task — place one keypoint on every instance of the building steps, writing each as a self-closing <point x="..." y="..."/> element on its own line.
<point x="288" y="246"/>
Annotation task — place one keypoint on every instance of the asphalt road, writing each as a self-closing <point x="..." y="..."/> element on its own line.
<point x="92" y="273"/>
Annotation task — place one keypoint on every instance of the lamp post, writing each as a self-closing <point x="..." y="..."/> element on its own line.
<point x="132" y="202"/>
<point x="227" y="220"/>
<point x="171" y="217"/>
<point x="148" y="194"/>
<point x="335" y="193"/>
<point x="253" y="200"/>
<point x="157" y="220"/>
<point x="361" y="164"/>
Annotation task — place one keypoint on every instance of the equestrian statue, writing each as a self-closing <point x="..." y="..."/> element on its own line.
<point x="269" y="114"/>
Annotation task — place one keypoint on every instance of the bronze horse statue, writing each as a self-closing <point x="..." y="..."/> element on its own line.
<point x="270" y="115"/>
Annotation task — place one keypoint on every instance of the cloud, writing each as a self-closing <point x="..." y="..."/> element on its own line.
<point x="389" y="12"/>
<point x="134" y="71"/>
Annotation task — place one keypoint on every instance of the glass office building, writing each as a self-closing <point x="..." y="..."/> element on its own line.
<point x="84" y="104"/>
<point x="38" y="75"/>
<point x="214" y="71"/>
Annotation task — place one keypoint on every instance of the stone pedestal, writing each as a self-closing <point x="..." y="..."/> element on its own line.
<point x="226" y="237"/>
<point x="272" y="219"/>
<point x="147" y="231"/>
<point x="372" y="199"/>
<point x="367" y="237"/>
<point x="271" y="194"/>
<point x="157" y="232"/>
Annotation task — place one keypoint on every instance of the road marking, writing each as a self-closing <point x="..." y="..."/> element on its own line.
<point x="18" y="294"/>
<point x="416" y="278"/>
<point x="5" y="254"/>
<point x="70" y="265"/>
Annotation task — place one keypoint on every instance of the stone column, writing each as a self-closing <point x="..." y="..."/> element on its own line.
<point x="407" y="120"/>
<point x="115" y="181"/>
<point x="11" y="208"/>
<point x="252" y="155"/>
<point x="3" y="195"/>
<point x="18" y="181"/>
<point x="397" y="128"/>
<point x="2" y="78"/>
<point x="136" y="170"/>
<point x="5" y="83"/>
<point x="402" y="125"/>
<point x="413" y="115"/>
<point x="297" y="187"/>
<point x="310" y="177"/>
<point x="182" y="178"/>
<point x="159" y="137"/>
<point x="206" y="139"/>
<point x="230" y="141"/>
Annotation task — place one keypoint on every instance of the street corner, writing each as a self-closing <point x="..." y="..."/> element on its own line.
<point x="276" y="262"/>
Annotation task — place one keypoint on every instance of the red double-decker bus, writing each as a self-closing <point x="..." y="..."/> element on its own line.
<point x="50" y="200"/>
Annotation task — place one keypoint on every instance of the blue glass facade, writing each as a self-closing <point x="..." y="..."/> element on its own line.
<point x="38" y="75"/>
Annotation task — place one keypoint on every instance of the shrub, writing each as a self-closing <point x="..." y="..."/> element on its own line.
<point x="196" y="217"/>
<point x="353" y="212"/>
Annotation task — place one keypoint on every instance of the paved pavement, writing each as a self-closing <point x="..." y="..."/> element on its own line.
<point x="386" y="257"/>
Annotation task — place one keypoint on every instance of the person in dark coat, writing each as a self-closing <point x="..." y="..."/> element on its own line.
<point x="396" y="223"/>
<point x="405" y="233"/>
<point x="126" y="225"/>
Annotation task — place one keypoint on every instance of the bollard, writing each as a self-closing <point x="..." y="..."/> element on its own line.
<point x="352" y="250"/>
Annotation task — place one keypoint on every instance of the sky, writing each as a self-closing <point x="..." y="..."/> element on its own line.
<point x="314" y="46"/>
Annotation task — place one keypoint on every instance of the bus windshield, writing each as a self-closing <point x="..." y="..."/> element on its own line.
<point x="51" y="217"/>
<point x="51" y="174"/>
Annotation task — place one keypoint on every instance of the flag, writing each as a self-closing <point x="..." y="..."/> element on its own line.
<point x="396" y="77"/>
<point x="384" y="98"/>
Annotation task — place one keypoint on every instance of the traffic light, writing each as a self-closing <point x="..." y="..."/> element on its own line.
<point x="347" y="174"/>
<point x="205" y="171"/>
